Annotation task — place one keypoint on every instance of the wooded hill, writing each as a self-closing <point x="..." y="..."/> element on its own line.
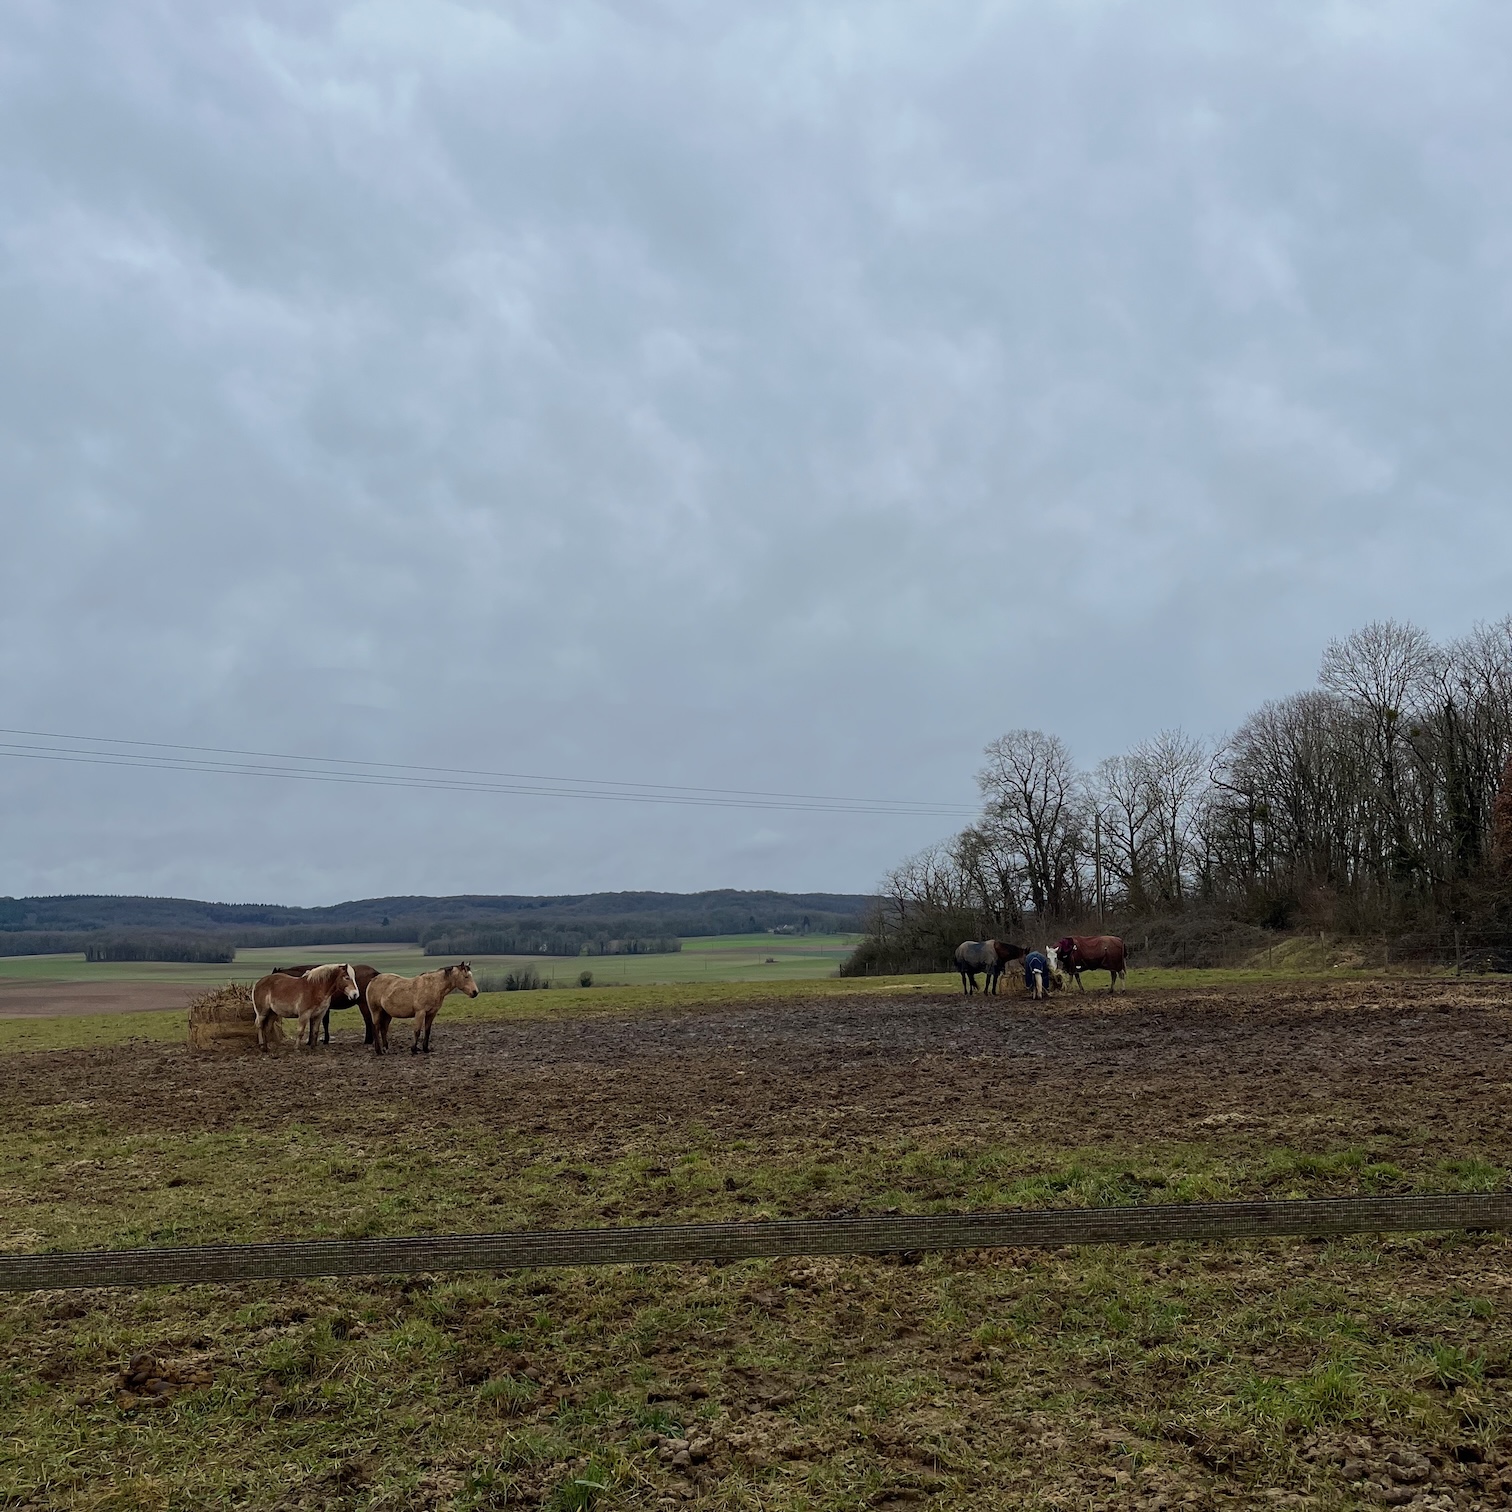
<point x="31" y="926"/>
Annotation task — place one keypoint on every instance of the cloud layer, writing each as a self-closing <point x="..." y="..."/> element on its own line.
<point x="788" y="398"/>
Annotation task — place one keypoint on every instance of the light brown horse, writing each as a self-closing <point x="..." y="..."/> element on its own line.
<point x="420" y="998"/>
<point x="303" y="997"/>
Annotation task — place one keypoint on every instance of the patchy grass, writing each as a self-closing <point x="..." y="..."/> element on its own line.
<point x="1097" y="1377"/>
<point x="1235" y="1374"/>
<point x="1037" y="1379"/>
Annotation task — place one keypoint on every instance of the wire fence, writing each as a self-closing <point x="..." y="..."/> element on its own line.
<point x="722" y="1242"/>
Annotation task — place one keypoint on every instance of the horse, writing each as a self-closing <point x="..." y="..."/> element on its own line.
<point x="986" y="956"/>
<point x="1057" y="968"/>
<point x="1079" y="953"/>
<point x="306" y="998"/>
<point x="420" y="998"/>
<point x="363" y="975"/>
<point x="1037" y="974"/>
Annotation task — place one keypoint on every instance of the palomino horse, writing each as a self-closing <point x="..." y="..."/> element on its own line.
<point x="420" y="998"/>
<point x="304" y="997"/>
<point x="362" y="975"/>
<point x="986" y="956"/>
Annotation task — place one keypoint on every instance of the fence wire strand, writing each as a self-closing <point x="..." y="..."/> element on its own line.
<point x="722" y="1242"/>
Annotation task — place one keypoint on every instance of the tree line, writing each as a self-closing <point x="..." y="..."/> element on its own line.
<point x="147" y="948"/>
<point x="1377" y="802"/>
<point x="469" y="942"/>
<point x="719" y="911"/>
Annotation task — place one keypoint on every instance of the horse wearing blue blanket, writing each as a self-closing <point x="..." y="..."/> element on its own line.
<point x="1036" y="974"/>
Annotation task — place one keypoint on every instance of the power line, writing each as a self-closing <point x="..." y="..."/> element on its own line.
<point x="99" y="750"/>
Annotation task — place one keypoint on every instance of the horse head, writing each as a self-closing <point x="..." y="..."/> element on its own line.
<point x="461" y="977"/>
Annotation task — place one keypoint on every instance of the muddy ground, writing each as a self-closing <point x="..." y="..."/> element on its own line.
<point x="1242" y="1376"/>
<point x="1427" y="1062"/>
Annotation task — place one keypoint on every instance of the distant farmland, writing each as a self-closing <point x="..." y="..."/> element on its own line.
<point x="709" y="958"/>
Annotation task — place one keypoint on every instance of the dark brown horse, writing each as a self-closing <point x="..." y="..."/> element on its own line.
<point x="364" y="975"/>
<point x="1079" y="953"/>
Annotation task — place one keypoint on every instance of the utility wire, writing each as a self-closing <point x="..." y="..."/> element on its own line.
<point x="221" y="761"/>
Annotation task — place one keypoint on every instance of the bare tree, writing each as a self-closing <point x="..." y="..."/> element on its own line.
<point x="1383" y="796"/>
<point x="1122" y="792"/>
<point x="994" y="876"/>
<point x="1383" y="671"/>
<point x="1032" y="796"/>
<point x="1174" y="766"/>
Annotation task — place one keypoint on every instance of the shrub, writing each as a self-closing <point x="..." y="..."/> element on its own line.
<point x="585" y="979"/>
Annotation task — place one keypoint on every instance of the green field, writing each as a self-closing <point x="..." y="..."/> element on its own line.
<point x="711" y="958"/>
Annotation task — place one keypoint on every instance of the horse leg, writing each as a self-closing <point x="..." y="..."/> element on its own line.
<point x="430" y="1018"/>
<point x="325" y="1027"/>
<point x="262" y="1029"/>
<point x="367" y="1023"/>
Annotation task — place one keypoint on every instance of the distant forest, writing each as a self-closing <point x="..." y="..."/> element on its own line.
<point x="1377" y="805"/>
<point x="605" y="923"/>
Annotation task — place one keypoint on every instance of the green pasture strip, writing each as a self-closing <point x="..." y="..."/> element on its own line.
<point x="92" y="1030"/>
<point x="247" y="967"/>
<point x="70" y="1180"/>
<point x="755" y="957"/>
<point x="818" y="1385"/>
<point x="810" y="1385"/>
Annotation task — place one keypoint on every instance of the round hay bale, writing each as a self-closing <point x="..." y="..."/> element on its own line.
<point x="222" y="1019"/>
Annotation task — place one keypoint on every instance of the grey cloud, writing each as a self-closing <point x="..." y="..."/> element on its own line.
<point x="789" y="399"/>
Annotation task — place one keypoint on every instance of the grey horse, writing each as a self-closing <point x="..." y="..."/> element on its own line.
<point x="986" y="956"/>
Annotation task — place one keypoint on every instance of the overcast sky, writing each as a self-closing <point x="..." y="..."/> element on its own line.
<point x="783" y="397"/>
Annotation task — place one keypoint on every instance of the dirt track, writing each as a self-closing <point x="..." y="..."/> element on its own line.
<point x="23" y="999"/>
<point x="1428" y="1063"/>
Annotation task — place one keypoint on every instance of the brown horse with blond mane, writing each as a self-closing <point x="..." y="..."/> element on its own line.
<point x="304" y="997"/>
<point x="420" y="998"/>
